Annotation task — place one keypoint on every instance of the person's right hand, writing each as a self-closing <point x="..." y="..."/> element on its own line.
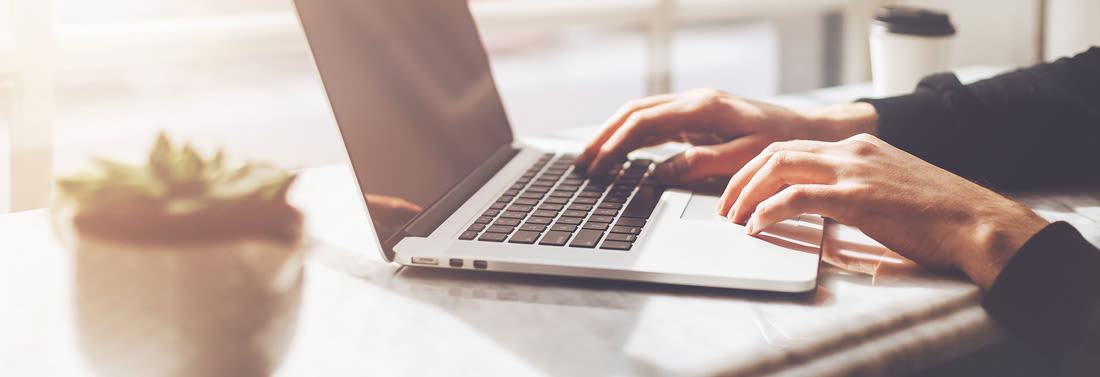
<point x="726" y="131"/>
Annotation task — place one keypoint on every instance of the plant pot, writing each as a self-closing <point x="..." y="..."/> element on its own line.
<point x="216" y="308"/>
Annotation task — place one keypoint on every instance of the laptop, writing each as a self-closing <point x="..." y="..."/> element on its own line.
<point x="446" y="185"/>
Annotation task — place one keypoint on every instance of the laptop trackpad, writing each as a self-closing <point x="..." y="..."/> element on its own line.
<point x="702" y="207"/>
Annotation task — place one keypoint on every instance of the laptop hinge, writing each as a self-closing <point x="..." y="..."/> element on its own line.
<point x="429" y="219"/>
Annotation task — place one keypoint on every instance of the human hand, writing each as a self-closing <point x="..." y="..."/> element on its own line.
<point x="726" y="131"/>
<point x="912" y="207"/>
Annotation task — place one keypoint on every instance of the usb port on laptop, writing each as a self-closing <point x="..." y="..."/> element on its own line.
<point x="425" y="260"/>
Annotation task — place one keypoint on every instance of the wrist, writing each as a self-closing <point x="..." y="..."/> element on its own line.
<point x="996" y="241"/>
<point x="841" y="121"/>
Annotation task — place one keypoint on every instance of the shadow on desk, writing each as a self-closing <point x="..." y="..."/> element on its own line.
<point x="588" y="323"/>
<point x="603" y="327"/>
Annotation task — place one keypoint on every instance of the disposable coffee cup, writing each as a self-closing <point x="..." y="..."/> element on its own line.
<point x="906" y="45"/>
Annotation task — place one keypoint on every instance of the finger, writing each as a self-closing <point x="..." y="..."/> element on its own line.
<point x="782" y="169"/>
<point x="661" y="121"/>
<point x="743" y="175"/>
<point x="793" y="201"/>
<point x="701" y="162"/>
<point x="612" y="124"/>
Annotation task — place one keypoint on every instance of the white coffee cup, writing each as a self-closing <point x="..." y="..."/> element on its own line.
<point x="906" y="45"/>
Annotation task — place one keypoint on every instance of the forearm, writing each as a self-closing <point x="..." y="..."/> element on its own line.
<point x="1049" y="296"/>
<point x="1021" y="129"/>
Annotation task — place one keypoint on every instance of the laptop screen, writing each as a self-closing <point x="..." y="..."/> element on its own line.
<point x="411" y="90"/>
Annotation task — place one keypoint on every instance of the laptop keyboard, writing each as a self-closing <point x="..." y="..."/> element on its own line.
<point x="552" y="205"/>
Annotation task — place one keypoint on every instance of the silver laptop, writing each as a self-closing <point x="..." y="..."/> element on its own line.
<point x="447" y="186"/>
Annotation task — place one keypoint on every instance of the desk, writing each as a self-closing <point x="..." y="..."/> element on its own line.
<point x="362" y="316"/>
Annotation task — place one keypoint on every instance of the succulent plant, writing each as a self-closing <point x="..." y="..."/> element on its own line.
<point x="179" y="196"/>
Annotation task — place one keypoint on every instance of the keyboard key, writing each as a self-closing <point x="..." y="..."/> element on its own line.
<point x="513" y="215"/>
<point x="476" y="228"/>
<point x="468" y="235"/>
<point x="593" y="226"/>
<point x="621" y="237"/>
<point x="518" y="186"/>
<point x="526" y="202"/>
<point x="570" y="220"/>
<point x="533" y="227"/>
<point x="601" y="219"/>
<point x="511" y="192"/>
<point x="644" y="202"/>
<point x="544" y="182"/>
<point x="557" y="200"/>
<point x="620" y="194"/>
<point x="498" y="205"/>
<point x="625" y="229"/>
<point x="606" y="212"/>
<point x="614" y="245"/>
<point x="610" y="205"/>
<point x="584" y="200"/>
<point x="541" y="213"/>
<point x="559" y="227"/>
<point x="551" y="207"/>
<point x="491" y="212"/>
<point x="493" y="237"/>
<point x="570" y="213"/>
<point x="615" y="199"/>
<point x="531" y="195"/>
<point x="483" y="220"/>
<point x="520" y="208"/>
<point x="506" y="222"/>
<point x="580" y="207"/>
<point x="570" y="188"/>
<point x="589" y="194"/>
<point x="553" y="238"/>
<point x="538" y="189"/>
<point x="499" y="229"/>
<point x="505" y="198"/>
<point x="586" y="238"/>
<point x="524" y="237"/>
<point x="561" y="194"/>
<point x="630" y="221"/>
<point x="523" y="180"/>
<point x="540" y="220"/>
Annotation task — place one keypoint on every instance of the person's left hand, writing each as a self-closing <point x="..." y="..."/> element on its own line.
<point x="914" y="208"/>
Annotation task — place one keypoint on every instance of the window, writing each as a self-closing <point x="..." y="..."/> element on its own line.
<point x="238" y="74"/>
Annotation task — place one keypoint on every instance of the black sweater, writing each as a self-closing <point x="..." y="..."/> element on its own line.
<point x="1031" y="128"/>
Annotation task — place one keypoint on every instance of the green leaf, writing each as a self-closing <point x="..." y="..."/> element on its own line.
<point x="160" y="159"/>
<point x="188" y="165"/>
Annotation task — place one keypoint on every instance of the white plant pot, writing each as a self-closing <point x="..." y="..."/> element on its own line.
<point x="226" y="308"/>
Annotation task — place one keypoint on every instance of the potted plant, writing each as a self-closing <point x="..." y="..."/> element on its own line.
<point x="183" y="265"/>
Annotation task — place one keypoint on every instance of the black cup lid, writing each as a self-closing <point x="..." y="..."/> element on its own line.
<point x="914" y="21"/>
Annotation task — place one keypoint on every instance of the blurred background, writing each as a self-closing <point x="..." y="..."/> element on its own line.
<point x="98" y="78"/>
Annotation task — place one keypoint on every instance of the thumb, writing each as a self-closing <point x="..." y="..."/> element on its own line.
<point x="705" y="161"/>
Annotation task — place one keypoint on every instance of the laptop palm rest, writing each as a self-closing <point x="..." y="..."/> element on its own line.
<point x="802" y="233"/>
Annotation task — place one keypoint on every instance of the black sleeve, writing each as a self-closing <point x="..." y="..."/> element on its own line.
<point x="1034" y="127"/>
<point x="1049" y="296"/>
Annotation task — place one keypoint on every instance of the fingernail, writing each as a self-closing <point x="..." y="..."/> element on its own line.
<point x="750" y="228"/>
